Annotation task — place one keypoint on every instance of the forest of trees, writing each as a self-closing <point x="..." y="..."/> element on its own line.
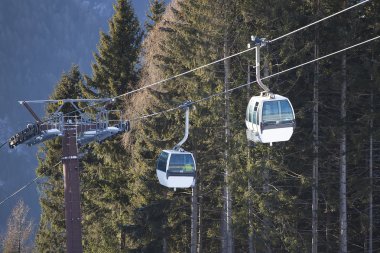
<point x="318" y="192"/>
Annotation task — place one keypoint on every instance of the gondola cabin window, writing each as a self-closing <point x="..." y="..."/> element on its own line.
<point x="277" y="112"/>
<point x="252" y="112"/>
<point x="181" y="163"/>
<point x="162" y="161"/>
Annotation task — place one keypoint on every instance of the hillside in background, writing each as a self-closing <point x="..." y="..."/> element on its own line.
<point x="39" y="40"/>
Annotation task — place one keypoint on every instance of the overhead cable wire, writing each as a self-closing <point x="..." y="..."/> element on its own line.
<point x="19" y="190"/>
<point x="255" y="81"/>
<point x="214" y="62"/>
<point x="24" y="187"/>
<point x="3" y="144"/>
<point x="320" y="20"/>
<point x="241" y="52"/>
<point x="220" y="60"/>
<point x="325" y="56"/>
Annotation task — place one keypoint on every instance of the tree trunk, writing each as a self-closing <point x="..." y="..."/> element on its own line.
<point x="328" y="247"/>
<point x="251" y="233"/>
<point x="194" y="217"/>
<point x="266" y="219"/>
<point x="165" y="235"/>
<point x="122" y="238"/>
<point x="266" y="181"/>
<point x="200" y="212"/>
<point x="164" y="245"/>
<point x="343" y="161"/>
<point x="314" y="242"/>
<point x="251" y="246"/>
<point x="370" y="165"/>
<point x="227" y="241"/>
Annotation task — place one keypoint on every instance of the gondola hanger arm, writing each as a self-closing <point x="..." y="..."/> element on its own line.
<point x="258" y="43"/>
<point x="186" y="106"/>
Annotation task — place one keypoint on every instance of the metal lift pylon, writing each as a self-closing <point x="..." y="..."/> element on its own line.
<point x="75" y="130"/>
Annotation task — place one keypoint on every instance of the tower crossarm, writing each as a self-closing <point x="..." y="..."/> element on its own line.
<point x="98" y="127"/>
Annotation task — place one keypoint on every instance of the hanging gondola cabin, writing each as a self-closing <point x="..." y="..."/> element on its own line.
<point x="269" y="118"/>
<point x="176" y="169"/>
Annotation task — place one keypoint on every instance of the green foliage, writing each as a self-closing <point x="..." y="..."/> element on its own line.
<point x="51" y="233"/>
<point x="105" y="167"/>
<point x="270" y="186"/>
<point x="157" y="9"/>
<point x="114" y="71"/>
<point x="192" y="36"/>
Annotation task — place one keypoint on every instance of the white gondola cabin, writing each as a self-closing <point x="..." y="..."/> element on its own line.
<point x="269" y="118"/>
<point x="176" y="169"/>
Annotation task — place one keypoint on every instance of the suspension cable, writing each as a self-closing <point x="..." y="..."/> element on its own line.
<point x="242" y="52"/>
<point x="24" y="187"/>
<point x="3" y="144"/>
<point x="233" y="55"/>
<point x="255" y="81"/>
<point x="220" y="60"/>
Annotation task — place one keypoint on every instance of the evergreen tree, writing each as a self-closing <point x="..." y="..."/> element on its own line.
<point x="106" y="199"/>
<point x="51" y="233"/>
<point x="156" y="9"/>
<point x="169" y="46"/>
<point x="114" y="71"/>
<point x="270" y="185"/>
<point x="264" y="203"/>
<point x="269" y="201"/>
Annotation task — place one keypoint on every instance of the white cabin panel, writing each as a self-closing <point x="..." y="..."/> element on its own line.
<point x="276" y="135"/>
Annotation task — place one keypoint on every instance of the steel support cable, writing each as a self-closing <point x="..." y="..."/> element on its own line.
<point x="320" y="20"/>
<point x="264" y="78"/>
<point x="24" y="187"/>
<point x="203" y="66"/>
<point x="242" y="52"/>
<point x="3" y="144"/>
<point x="246" y="84"/>
<point x="222" y="59"/>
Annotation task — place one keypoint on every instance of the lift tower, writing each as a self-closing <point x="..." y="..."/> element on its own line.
<point x="76" y="130"/>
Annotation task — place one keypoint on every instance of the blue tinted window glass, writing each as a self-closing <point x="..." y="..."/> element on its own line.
<point x="161" y="161"/>
<point x="181" y="163"/>
<point x="286" y="110"/>
<point x="250" y="113"/>
<point x="254" y="113"/>
<point x="270" y="111"/>
<point x="277" y="112"/>
<point x="247" y="113"/>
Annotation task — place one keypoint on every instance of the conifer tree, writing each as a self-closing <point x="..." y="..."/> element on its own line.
<point x="270" y="188"/>
<point x="106" y="167"/>
<point x="51" y="232"/>
<point x="156" y="9"/>
<point x="268" y="173"/>
<point x="114" y="71"/>
<point x="181" y="35"/>
<point x="280" y="177"/>
<point x="188" y="35"/>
